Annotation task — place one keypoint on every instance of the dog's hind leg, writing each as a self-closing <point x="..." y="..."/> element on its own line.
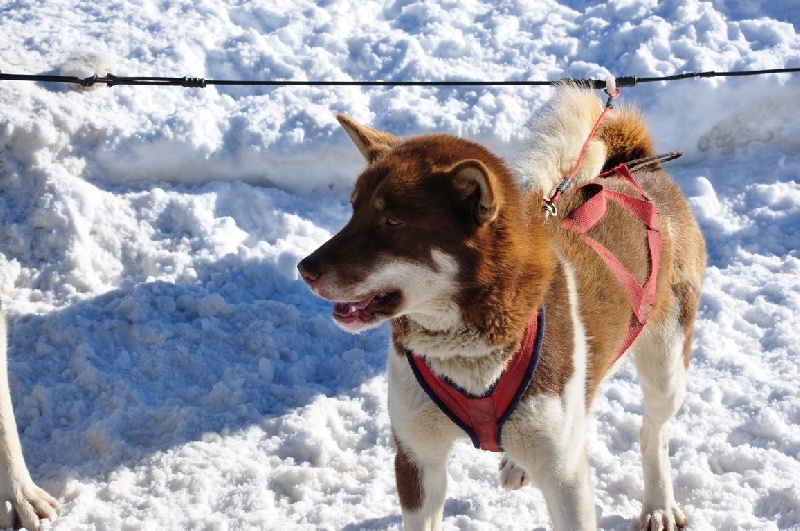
<point x="661" y="364"/>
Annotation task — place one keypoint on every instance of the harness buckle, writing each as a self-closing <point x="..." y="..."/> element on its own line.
<point x="550" y="209"/>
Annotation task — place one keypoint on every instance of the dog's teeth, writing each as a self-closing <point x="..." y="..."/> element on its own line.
<point x="361" y="304"/>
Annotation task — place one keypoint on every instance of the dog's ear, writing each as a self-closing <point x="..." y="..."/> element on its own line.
<point x="472" y="180"/>
<point x="370" y="142"/>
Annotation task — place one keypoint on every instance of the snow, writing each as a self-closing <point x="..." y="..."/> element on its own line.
<point x="168" y="369"/>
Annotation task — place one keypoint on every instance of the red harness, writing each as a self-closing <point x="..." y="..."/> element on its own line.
<point x="482" y="417"/>
<point x="587" y="215"/>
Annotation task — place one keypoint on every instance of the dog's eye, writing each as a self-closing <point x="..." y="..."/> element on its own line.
<point x="392" y="222"/>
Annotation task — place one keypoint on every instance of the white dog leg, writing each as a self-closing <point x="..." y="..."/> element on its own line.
<point x="20" y="498"/>
<point x="662" y="376"/>
<point x="421" y="485"/>
<point x="569" y="494"/>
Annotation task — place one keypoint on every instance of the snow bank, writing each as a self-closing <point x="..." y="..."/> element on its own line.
<point x="169" y="371"/>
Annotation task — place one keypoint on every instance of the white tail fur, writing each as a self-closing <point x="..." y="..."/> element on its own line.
<point x="558" y="133"/>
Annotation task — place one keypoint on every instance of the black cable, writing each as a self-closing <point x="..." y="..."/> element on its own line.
<point x="195" y="82"/>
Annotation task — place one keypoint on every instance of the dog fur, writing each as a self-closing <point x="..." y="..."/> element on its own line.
<point x="450" y="246"/>
<point x="21" y="501"/>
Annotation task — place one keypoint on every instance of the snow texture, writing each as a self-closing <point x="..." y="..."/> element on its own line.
<point x="169" y="370"/>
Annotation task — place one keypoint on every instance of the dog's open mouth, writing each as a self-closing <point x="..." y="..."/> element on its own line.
<point x="365" y="311"/>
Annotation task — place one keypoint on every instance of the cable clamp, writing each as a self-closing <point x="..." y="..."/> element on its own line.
<point x="612" y="91"/>
<point x="89" y="81"/>
<point x="193" y="82"/>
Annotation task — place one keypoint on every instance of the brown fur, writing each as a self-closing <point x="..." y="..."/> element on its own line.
<point x="409" y="484"/>
<point x="555" y="369"/>
<point x="626" y="137"/>
<point x="604" y="305"/>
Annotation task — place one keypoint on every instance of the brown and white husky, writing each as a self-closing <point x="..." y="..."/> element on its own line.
<point x="453" y="249"/>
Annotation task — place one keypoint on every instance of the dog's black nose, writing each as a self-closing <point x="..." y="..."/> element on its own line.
<point x="309" y="270"/>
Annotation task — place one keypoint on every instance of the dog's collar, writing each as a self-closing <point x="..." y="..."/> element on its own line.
<point x="482" y="417"/>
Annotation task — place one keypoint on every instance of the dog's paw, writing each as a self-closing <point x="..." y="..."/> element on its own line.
<point x="25" y="505"/>
<point x="512" y="476"/>
<point x="662" y="520"/>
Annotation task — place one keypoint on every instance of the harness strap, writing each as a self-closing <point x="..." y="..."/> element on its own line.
<point x="588" y="214"/>
<point x="482" y="417"/>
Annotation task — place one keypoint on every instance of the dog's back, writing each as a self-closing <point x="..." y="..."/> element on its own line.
<point x="622" y="137"/>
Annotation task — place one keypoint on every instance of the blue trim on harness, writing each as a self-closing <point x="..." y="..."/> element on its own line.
<point x="441" y="402"/>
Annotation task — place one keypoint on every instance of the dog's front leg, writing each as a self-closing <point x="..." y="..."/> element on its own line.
<point x="568" y="490"/>
<point x="421" y="487"/>
<point x="555" y="458"/>
<point x="423" y="442"/>
<point x="546" y="438"/>
<point x="424" y="437"/>
<point x="20" y="499"/>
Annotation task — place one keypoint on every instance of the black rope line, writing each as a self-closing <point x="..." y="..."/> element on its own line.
<point x="199" y="82"/>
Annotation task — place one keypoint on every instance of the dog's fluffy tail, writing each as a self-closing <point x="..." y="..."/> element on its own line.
<point x="626" y="137"/>
<point x="560" y="129"/>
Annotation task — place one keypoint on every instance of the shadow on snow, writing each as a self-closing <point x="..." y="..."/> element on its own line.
<point x="110" y="380"/>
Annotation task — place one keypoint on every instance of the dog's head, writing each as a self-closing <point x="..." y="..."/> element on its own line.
<point x="422" y="213"/>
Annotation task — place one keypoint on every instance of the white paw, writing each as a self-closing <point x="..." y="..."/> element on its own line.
<point x="662" y="520"/>
<point x="512" y="476"/>
<point x="24" y="504"/>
